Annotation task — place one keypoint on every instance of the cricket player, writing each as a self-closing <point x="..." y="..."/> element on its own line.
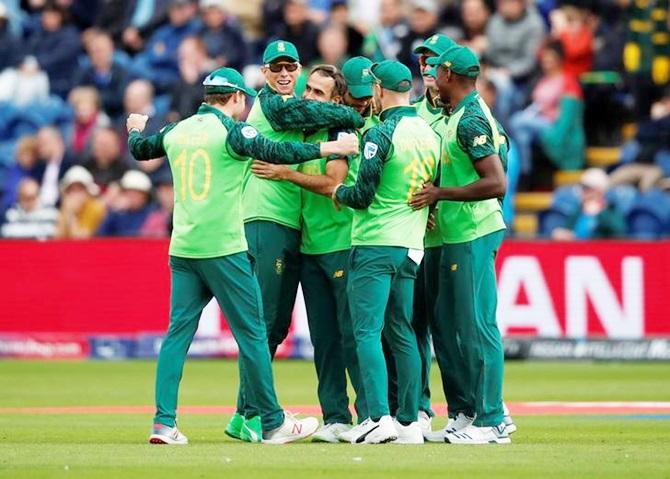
<point x="430" y="108"/>
<point x="467" y="341"/>
<point x="398" y="156"/>
<point x="325" y="245"/>
<point x="208" y="155"/>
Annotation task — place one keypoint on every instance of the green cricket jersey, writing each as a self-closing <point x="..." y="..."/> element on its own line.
<point x="432" y="115"/>
<point x="398" y="156"/>
<point x="282" y="118"/>
<point x="324" y="228"/>
<point x="355" y="161"/>
<point x="208" y="154"/>
<point x="470" y="134"/>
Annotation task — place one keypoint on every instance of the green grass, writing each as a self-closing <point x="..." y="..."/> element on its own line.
<point x="113" y="446"/>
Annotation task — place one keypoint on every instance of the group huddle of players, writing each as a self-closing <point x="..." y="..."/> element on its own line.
<point x="388" y="215"/>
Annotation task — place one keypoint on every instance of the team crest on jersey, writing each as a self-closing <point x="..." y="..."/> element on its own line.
<point x="338" y="274"/>
<point x="370" y="150"/>
<point x="479" y="140"/>
<point x="249" y="132"/>
<point x="279" y="266"/>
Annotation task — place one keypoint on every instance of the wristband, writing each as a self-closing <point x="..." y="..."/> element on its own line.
<point x="333" y="197"/>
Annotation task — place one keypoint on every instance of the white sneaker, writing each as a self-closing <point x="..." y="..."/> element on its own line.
<point x="162" y="434"/>
<point x="479" y="435"/>
<point x="330" y="432"/>
<point x="371" y="432"/>
<point x="410" y="434"/>
<point x="425" y="423"/>
<point x="509" y="422"/>
<point x="461" y="421"/>
<point x="292" y="430"/>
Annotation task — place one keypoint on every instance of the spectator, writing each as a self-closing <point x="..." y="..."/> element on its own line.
<point x="104" y="73"/>
<point x="194" y="65"/>
<point x="384" y="41"/>
<point x="475" y="16"/>
<point x="339" y="15"/>
<point x="554" y="116"/>
<point x="25" y="84"/>
<point x="87" y="118"/>
<point x="138" y="98"/>
<point x="29" y="219"/>
<point x="129" y="21"/>
<point x="514" y="33"/>
<point x="105" y="164"/>
<point x="158" y="61"/>
<point x="569" y="25"/>
<point x="595" y="218"/>
<point x="9" y="45"/>
<point x="131" y="209"/>
<point x="332" y="45"/>
<point x="423" y="24"/>
<point x="80" y="212"/>
<point x="645" y="159"/>
<point x="56" y="46"/>
<point x="300" y="30"/>
<point x="222" y="35"/>
<point x="159" y="222"/>
<point x="52" y="152"/>
<point x="27" y="165"/>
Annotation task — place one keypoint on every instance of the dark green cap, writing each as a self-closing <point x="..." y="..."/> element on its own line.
<point x="280" y="49"/>
<point x="358" y="76"/>
<point x="436" y="44"/>
<point x="460" y="60"/>
<point x="226" y="80"/>
<point x="392" y="75"/>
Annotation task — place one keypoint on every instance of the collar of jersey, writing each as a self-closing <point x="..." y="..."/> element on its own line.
<point x="469" y="98"/>
<point x="205" y="109"/>
<point x="397" y="111"/>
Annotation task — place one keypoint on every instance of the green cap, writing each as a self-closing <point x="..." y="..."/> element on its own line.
<point x="392" y="75"/>
<point x="226" y="80"/>
<point x="436" y="44"/>
<point x="359" y="79"/>
<point x="280" y="49"/>
<point x="458" y="59"/>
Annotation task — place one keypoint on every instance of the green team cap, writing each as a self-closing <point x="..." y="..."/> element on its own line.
<point x="458" y="59"/>
<point x="280" y="49"/>
<point x="436" y="44"/>
<point x="358" y="76"/>
<point x="392" y="75"/>
<point x="226" y="80"/>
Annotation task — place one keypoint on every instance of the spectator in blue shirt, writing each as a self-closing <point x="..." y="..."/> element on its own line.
<point x="132" y="207"/>
<point x="222" y="35"/>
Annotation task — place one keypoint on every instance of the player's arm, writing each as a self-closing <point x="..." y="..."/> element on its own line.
<point x="142" y="148"/>
<point x="245" y="141"/>
<point x="376" y="148"/>
<point x="289" y="113"/>
<point x="336" y="172"/>
<point x="476" y="138"/>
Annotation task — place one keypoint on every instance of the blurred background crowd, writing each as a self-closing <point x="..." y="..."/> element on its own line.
<point x="580" y="86"/>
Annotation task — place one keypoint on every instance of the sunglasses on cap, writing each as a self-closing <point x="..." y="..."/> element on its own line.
<point x="278" y="67"/>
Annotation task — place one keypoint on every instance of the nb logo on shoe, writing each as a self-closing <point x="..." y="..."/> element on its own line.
<point x="297" y="429"/>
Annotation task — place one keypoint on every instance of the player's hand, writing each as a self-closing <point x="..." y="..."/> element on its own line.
<point x="136" y="121"/>
<point x="346" y="144"/>
<point x="425" y="197"/>
<point x="268" y="171"/>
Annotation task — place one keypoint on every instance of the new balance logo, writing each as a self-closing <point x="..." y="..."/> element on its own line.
<point x="479" y="140"/>
<point x="297" y="429"/>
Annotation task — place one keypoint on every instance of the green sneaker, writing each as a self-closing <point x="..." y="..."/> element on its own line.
<point x="252" y="431"/>
<point x="234" y="427"/>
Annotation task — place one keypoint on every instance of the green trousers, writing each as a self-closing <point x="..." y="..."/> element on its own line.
<point x="324" y="285"/>
<point x="381" y="291"/>
<point x="231" y="280"/>
<point x="425" y="302"/>
<point x="467" y="341"/>
<point x="275" y="250"/>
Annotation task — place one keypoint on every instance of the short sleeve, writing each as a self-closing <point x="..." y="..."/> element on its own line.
<point x="476" y="137"/>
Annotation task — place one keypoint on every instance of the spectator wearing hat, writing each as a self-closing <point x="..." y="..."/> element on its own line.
<point x="29" y="218"/>
<point x="222" y="34"/>
<point x="595" y="218"/>
<point x="104" y="73"/>
<point x="55" y="45"/>
<point x="80" y="212"/>
<point x="132" y="207"/>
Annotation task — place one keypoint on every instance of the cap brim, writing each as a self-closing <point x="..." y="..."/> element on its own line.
<point x="250" y="91"/>
<point x="276" y="57"/>
<point x="433" y="61"/>
<point x="425" y="49"/>
<point x="361" y="91"/>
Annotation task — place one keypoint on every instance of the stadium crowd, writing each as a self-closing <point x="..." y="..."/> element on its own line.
<point x="562" y="74"/>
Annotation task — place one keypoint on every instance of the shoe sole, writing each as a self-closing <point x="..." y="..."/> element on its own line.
<point x="505" y="440"/>
<point x="383" y="441"/>
<point x="510" y="428"/>
<point x="230" y="434"/>
<point x="165" y="441"/>
<point x="323" y="440"/>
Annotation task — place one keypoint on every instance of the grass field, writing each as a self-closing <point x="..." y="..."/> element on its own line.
<point x="113" y="445"/>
